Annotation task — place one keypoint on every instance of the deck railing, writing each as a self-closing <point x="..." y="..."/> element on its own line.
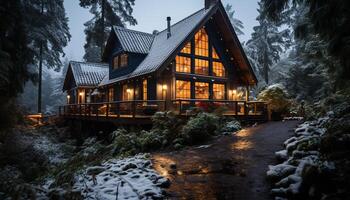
<point x="141" y="109"/>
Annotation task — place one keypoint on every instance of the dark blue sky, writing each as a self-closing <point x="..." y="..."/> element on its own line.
<point x="151" y="15"/>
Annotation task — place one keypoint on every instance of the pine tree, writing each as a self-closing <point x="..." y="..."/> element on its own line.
<point x="266" y="44"/>
<point x="236" y="23"/>
<point x="106" y="13"/>
<point x="330" y="21"/>
<point x="47" y="26"/>
<point x="15" y="56"/>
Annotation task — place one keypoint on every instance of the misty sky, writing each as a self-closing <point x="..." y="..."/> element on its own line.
<point x="151" y="15"/>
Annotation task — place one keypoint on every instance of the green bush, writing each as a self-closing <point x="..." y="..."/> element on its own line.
<point x="200" y="128"/>
<point x="277" y="98"/>
<point x="231" y="126"/>
<point x="125" y="143"/>
<point x="152" y="140"/>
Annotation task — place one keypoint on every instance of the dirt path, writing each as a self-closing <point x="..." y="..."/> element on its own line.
<point x="232" y="167"/>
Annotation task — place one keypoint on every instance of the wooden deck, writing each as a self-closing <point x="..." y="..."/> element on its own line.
<point x="140" y="112"/>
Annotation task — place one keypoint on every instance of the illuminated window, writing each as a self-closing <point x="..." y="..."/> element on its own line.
<point x="111" y="94"/>
<point x="201" y="67"/>
<point x="218" y="91"/>
<point x="187" y="48"/>
<point x="183" y="89"/>
<point x="202" y="90"/>
<point x="144" y="90"/>
<point x="123" y="60"/>
<point x="215" y="54"/>
<point x="201" y="43"/>
<point x="183" y="64"/>
<point x="116" y="62"/>
<point x="128" y="93"/>
<point x="120" y="61"/>
<point x="218" y="69"/>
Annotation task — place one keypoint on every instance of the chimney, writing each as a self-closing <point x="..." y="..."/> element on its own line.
<point x="169" y="27"/>
<point x="208" y="3"/>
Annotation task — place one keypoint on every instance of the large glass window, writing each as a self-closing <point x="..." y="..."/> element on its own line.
<point x="183" y="89"/>
<point x="116" y="62"/>
<point x="202" y="90"/>
<point x="201" y="43"/>
<point x="218" y="69"/>
<point x="218" y="91"/>
<point x="201" y="67"/>
<point x="183" y="64"/>
<point x="187" y="48"/>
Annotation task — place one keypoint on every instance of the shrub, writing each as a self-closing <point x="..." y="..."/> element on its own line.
<point x="200" y="128"/>
<point x="125" y="143"/>
<point x="231" y="126"/>
<point x="276" y="97"/>
<point x="151" y="140"/>
<point x="167" y="124"/>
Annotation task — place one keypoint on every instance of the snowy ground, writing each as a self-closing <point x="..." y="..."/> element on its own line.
<point x="129" y="178"/>
<point x="301" y="152"/>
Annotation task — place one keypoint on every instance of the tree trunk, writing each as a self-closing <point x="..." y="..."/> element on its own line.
<point x="266" y="68"/>
<point x="40" y="77"/>
<point x="40" y="66"/>
<point x="102" y="25"/>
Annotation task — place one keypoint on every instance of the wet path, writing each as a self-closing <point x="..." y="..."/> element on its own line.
<point x="232" y="167"/>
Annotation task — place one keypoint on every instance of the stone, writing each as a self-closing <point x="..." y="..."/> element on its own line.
<point x="129" y="166"/>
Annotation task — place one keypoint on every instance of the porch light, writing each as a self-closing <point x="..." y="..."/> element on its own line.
<point x="68" y="96"/>
<point x="81" y="93"/>
<point x="164" y="87"/>
<point x="128" y="90"/>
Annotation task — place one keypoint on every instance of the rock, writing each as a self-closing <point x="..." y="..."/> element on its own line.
<point x="280" y="171"/>
<point x="147" y="164"/>
<point x="163" y="183"/>
<point x="281" y="155"/>
<point x="129" y="166"/>
<point x="172" y="166"/>
<point x="95" y="170"/>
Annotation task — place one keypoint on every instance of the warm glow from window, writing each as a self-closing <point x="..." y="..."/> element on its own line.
<point x="116" y="62"/>
<point x="202" y="90"/>
<point x="201" y="43"/>
<point x="120" y="61"/>
<point x="201" y="67"/>
<point x="183" y="64"/>
<point x="144" y="89"/>
<point x="218" y="91"/>
<point x="187" y="48"/>
<point x="218" y="69"/>
<point x="183" y="89"/>
<point x="215" y="54"/>
<point x="111" y="94"/>
<point x="123" y="60"/>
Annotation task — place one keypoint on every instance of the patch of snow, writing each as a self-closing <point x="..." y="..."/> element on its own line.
<point x="204" y="146"/>
<point x="128" y="178"/>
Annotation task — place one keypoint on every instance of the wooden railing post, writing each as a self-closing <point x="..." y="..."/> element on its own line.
<point x="180" y="107"/>
<point x="133" y="104"/>
<point x="236" y="107"/>
<point x="107" y="110"/>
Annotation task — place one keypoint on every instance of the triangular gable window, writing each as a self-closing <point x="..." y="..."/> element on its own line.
<point x="187" y="48"/>
<point x="215" y="54"/>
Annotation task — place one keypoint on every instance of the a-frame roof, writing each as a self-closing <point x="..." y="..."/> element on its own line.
<point x="134" y="41"/>
<point x="85" y="74"/>
<point x="163" y="49"/>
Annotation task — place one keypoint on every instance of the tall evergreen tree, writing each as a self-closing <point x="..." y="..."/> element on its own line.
<point x="237" y="24"/>
<point x="47" y="26"/>
<point x="330" y="21"/>
<point x="266" y="44"/>
<point x="106" y="13"/>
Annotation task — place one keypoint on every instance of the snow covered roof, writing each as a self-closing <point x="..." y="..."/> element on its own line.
<point x="134" y="41"/>
<point x="87" y="74"/>
<point x="163" y="47"/>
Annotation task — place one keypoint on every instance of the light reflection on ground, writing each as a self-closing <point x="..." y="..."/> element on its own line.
<point x="242" y="145"/>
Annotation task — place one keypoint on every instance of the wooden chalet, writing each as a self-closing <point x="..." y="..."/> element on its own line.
<point x="197" y="62"/>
